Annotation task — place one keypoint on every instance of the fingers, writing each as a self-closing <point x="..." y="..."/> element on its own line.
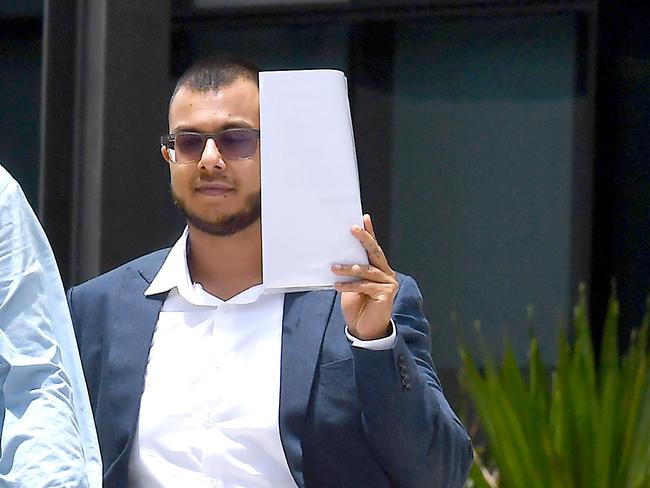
<point x="373" y="282"/>
<point x="378" y="271"/>
<point x="362" y="271"/>
<point x="375" y="253"/>
<point x="367" y="224"/>
<point x="367" y="302"/>
<point x="380" y="292"/>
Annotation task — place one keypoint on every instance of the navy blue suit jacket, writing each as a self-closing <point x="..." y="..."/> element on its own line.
<point x="349" y="417"/>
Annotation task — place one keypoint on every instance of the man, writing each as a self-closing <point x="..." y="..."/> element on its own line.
<point x="199" y="378"/>
<point x="47" y="435"/>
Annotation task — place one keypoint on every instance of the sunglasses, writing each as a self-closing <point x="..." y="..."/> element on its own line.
<point x="188" y="147"/>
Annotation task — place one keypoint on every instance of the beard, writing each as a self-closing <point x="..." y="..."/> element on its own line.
<point x="224" y="225"/>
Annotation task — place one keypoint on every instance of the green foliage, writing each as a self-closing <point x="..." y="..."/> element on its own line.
<point x="583" y="425"/>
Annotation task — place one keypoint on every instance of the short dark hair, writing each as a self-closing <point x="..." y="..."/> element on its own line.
<point x="214" y="73"/>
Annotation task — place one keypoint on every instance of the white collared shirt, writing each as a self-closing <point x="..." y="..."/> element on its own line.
<point x="209" y="411"/>
<point x="210" y="407"/>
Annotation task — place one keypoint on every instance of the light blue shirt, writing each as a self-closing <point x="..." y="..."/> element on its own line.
<point x="47" y="433"/>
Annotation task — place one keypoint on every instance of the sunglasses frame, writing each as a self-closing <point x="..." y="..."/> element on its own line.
<point x="169" y="140"/>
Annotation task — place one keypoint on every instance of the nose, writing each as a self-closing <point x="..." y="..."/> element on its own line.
<point x="211" y="157"/>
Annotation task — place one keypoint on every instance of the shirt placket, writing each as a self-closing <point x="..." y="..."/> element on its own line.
<point x="216" y="397"/>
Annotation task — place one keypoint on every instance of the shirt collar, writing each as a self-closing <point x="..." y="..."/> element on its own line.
<point x="175" y="274"/>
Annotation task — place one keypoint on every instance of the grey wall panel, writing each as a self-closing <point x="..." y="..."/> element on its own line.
<point x="481" y="177"/>
<point x="119" y="86"/>
<point x="20" y="70"/>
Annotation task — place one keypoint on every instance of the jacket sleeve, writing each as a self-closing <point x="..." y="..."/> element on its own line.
<point x="406" y="418"/>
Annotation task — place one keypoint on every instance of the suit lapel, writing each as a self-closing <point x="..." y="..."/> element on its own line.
<point x="131" y="335"/>
<point x="304" y="323"/>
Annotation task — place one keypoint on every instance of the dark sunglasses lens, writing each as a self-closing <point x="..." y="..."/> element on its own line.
<point x="189" y="147"/>
<point x="237" y="144"/>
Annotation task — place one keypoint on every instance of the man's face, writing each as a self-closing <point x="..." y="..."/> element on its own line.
<point x="217" y="195"/>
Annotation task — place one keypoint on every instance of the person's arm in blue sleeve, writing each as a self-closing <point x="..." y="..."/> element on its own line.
<point x="47" y="434"/>
<point x="407" y="420"/>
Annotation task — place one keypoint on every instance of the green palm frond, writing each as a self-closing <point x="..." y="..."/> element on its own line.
<point x="586" y="424"/>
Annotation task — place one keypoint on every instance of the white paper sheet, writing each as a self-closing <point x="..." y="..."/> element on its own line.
<point x="310" y="182"/>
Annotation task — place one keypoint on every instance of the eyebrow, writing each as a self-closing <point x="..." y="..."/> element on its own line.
<point x="238" y="124"/>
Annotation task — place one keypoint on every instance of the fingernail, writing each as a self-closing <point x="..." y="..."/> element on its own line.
<point x="337" y="266"/>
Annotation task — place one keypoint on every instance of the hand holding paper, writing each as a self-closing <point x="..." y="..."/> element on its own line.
<point x="367" y="304"/>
